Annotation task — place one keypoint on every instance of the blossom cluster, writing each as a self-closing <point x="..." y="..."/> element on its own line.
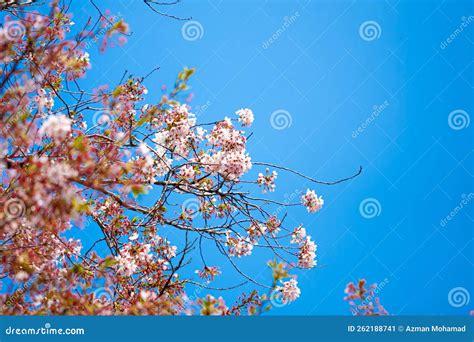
<point x="267" y="180"/>
<point x="246" y="116"/>
<point x="243" y="245"/>
<point x="227" y="155"/>
<point x="311" y="201"/>
<point x="56" y="127"/>
<point x="44" y="100"/>
<point x="239" y="246"/>
<point x="307" y="247"/>
<point x="363" y="301"/>
<point x="208" y="272"/>
<point x="289" y="290"/>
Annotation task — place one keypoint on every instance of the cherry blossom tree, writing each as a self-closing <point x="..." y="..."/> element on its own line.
<point x="126" y="172"/>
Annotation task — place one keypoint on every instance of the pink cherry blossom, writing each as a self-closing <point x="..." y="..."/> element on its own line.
<point x="307" y="253"/>
<point x="311" y="201"/>
<point x="239" y="246"/>
<point x="245" y="116"/>
<point x="299" y="234"/>
<point x="289" y="290"/>
<point x="56" y="127"/>
<point x="267" y="180"/>
<point x="363" y="301"/>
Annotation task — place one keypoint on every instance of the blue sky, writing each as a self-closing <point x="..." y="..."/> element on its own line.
<point x="381" y="98"/>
